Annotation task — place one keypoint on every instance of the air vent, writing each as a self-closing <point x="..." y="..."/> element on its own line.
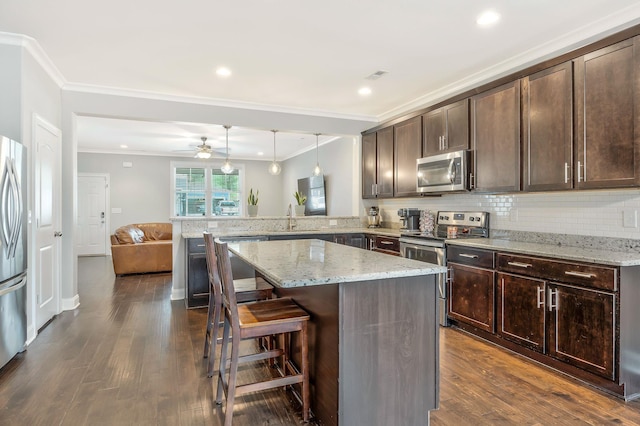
<point x="376" y="75"/>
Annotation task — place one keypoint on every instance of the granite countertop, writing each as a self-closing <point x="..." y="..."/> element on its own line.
<point x="589" y="255"/>
<point x="236" y="233"/>
<point x="299" y="263"/>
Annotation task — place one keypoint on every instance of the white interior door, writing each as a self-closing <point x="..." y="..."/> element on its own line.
<point x="47" y="220"/>
<point x="92" y="228"/>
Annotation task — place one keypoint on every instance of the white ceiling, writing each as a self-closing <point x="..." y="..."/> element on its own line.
<point x="303" y="56"/>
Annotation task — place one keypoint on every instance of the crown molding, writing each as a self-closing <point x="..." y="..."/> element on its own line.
<point x="114" y="91"/>
<point x="32" y="46"/>
<point x="582" y="36"/>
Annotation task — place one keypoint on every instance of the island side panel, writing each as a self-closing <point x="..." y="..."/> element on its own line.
<point x="389" y="360"/>
<point x="322" y="304"/>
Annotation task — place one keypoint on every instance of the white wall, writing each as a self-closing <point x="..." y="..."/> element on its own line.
<point x="10" y="100"/>
<point x="143" y="190"/>
<point x="338" y="159"/>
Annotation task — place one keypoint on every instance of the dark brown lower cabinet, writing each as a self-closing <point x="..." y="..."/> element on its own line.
<point x="521" y="310"/>
<point x="472" y="295"/>
<point x="582" y="328"/>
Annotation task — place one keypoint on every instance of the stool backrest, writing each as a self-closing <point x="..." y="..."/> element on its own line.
<point x="212" y="266"/>
<point x="226" y="278"/>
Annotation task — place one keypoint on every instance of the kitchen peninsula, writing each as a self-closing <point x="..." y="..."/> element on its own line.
<point x="373" y="336"/>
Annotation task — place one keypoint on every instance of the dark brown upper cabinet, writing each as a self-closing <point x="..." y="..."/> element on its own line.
<point x="607" y="85"/>
<point x="495" y="124"/>
<point x="547" y="121"/>
<point x="377" y="164"/>
<point x="446" y="129"/>
<point x="407" y="149"/>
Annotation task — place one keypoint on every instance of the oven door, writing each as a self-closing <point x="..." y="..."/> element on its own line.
<point x="430" y="252"/>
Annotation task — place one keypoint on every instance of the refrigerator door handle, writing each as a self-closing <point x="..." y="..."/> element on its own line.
<point x="5" y="207"/>
<point x="12" y="209"/>
<point x="15" y="287"/>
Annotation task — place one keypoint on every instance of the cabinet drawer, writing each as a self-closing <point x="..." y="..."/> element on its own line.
<point x="588" y="275"/>
<point x="195" y="245"/>
<point x="470" y="256"/>
<point x="387" y="243"/>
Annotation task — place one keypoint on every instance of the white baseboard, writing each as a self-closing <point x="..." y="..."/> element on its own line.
<point x="177" y="293"/>
<point x="31" y="335"/>
<point x="71" y="304"/>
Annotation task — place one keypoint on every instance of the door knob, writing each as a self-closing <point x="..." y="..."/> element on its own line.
<point x="57" y="234"/>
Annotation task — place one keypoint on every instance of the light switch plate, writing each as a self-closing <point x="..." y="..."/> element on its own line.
<point x="333" y="222"/>
<point x="116" y="210"/>
<point x="630" y="218"/>
<point x="212" y="224"/>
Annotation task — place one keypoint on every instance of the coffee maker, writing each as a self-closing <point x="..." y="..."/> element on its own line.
<point x="409" y="219"/>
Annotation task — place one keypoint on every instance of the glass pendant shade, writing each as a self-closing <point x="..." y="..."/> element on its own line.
<point x="274" y="167"/>
<point x="226" y="166"/>
<point x="317" y="171"/>
<point x="203" y="155"/>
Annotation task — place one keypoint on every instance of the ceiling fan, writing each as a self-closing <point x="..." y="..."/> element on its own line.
<point x="203" y="151"/>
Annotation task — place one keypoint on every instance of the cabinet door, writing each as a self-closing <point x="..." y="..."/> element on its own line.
<point x="456" y="117"/>
<point x="495" y="120"/>
<point x="433" y="131"/>
<point x="547" y="111"/>
<point x="472" y="296"/>
<point x="582" y="328"/>
<point x="521" y="310"/>
<point x="369" y="165"/>
<point x="357" y="240"/>
<point x="607" y="135"/>
<point x="384" y="177"/>
<point x="197" y="281"/>
<point x="407" y="148"/>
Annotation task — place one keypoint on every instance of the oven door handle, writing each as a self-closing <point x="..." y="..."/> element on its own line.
<point x="452" y="171"/>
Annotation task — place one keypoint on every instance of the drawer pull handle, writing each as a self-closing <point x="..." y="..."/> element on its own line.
<point x="579" y="274"/>
<point x="386" y="242"/>
<point x="470" y="256"/>
<point x="520" y="265"/>
<point x="540" y="297"/>
<point x="200" y="245"/>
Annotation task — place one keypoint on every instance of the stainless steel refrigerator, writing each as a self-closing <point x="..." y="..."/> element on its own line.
<point x="13" y="249"/>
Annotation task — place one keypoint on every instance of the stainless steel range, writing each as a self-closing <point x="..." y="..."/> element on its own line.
<point x="431" y="247"/>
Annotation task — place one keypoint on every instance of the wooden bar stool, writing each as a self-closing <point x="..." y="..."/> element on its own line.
<point x="254" y="320"/>
<point x="247" y="290"/>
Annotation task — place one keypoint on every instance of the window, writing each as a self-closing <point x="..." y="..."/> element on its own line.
<point x="205" y="191"/>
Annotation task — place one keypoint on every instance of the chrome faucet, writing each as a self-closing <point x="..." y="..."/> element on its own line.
<point x="290" y="214"/>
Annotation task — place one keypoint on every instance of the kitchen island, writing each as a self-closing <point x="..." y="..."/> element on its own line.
<point x="373" y="335"/>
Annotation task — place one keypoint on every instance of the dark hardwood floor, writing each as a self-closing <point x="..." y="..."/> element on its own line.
<point x="130" y="356"/>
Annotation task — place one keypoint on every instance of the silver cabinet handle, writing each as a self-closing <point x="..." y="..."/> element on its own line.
<point x="386" y="242"/>
<point x="469" y="256"/>
<point x="445" y="145"/>
<point x="579" y="274"/>
<point x="579" y="175"/>
<point x="566" y="172"/>
<point x="540" y="297"/>
<point x="553" y="295"/>
<point x="520" y="264"/>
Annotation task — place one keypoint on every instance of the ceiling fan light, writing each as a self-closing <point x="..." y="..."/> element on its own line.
<point x="203" y="155"/>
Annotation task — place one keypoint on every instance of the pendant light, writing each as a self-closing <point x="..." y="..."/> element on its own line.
<point x="226" y="166"/>
<point x="274" y="167"/>
<point x="317" y="171"/>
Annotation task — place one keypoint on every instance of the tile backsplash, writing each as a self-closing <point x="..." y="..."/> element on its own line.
<point x="605" y="213"/>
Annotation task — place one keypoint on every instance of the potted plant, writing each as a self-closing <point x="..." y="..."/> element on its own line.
<point x="252" y="203"/>
<point x="300" y="199"/>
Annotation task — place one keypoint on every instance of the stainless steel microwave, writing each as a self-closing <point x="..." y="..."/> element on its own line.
<point x="444" y="172"/>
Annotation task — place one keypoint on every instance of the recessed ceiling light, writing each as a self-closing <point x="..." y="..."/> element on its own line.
<point x="364" y="91"/>
<point x="223" y="72"/>
<point x="488" y="18"/>
<point x="124" y="146"/>
<point x="261" y="153"/>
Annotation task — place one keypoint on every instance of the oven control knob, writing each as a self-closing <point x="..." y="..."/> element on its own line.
<point x="472" y="218"/>
<point x="478" y="219"/>
<point x="441" y="217"/>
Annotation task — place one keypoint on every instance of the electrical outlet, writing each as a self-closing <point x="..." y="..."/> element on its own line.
<point x="212" y="224"/>
<point x="630" y="218"/>
<point x="333" y="222"/>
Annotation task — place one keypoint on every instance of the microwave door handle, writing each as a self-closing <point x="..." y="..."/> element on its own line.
<point x="452" y="171"/>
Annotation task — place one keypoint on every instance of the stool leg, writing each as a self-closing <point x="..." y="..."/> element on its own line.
<point x="223" y="362"/>
<point x="213" y="340"/>
<point x="233" y="375"/>
<point x="305" y="373"/>
<point x="207" y="335"/>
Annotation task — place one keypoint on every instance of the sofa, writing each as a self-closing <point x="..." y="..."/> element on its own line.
<point x="142" y="248"/>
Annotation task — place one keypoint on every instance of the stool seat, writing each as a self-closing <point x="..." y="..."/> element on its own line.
<point x="269" y="312"/>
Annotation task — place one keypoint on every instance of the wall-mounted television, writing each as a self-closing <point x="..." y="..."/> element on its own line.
<point x="313" y="188"/>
